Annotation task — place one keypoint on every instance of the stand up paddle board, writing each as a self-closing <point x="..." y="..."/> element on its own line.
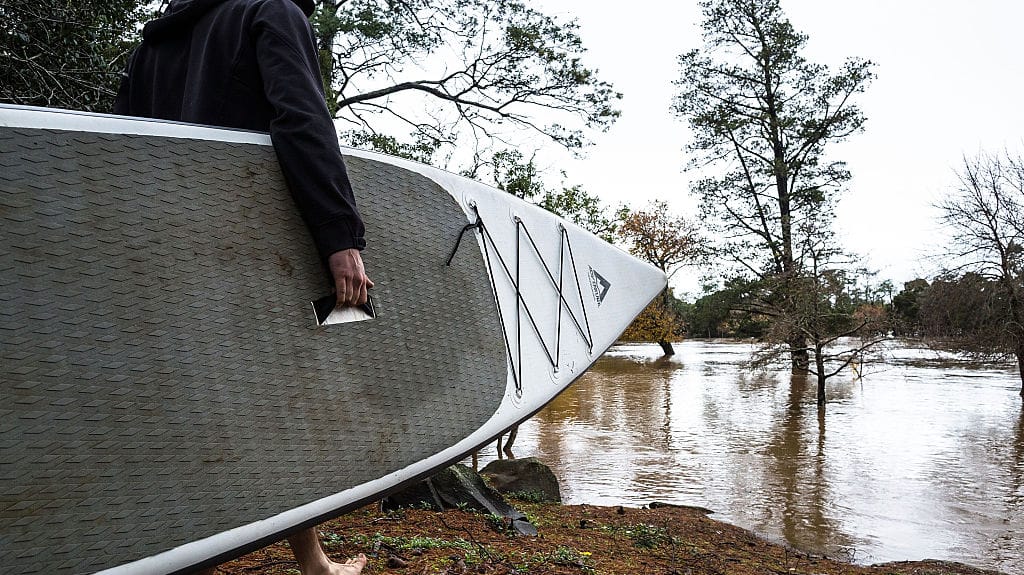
<point x="171" y="397"/>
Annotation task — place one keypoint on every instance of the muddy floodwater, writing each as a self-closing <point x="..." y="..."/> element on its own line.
<point x="923" y="457"/>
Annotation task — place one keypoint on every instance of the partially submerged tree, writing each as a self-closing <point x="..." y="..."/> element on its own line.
<point x="668" y="241"/>
<point x="839" y="327"/>
<point x="66" y="54"/>
<point x="985" y="215"/>
<point x="763" y="117"/>
<point x="659" y="322"/>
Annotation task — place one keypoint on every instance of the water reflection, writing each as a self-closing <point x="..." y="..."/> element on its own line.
<point x="924" y="458"/>
<point x="797" y="471"/>
<point x="1016" y="499"/>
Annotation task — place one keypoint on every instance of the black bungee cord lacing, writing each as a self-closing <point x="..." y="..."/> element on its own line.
<point x="582" y="328"/>
<point x="478" y="224"/>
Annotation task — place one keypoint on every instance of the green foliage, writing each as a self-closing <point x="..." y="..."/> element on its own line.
<point x="331" y="540"/>
<point x="584" y="210"/>
<point x="569" y="557"/>
<point x="648" y="536"/>
<point x="521" y="178"/>
<point x="420" y="151"/>
<point x="499" y="523"/>
<point x="532" y="496"/>
<point x="405" y="543"/>
<point x="722" y="313"/>
<point x="66" y="54"/>
<point x="906" y="307"/>
<point x="514" y="175"/>
<point x="765" y="115"/>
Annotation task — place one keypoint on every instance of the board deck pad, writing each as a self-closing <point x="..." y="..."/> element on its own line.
<point x="161" y="380"/>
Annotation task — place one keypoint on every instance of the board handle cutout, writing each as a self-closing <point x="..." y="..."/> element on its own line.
<point x="327" y="313"/>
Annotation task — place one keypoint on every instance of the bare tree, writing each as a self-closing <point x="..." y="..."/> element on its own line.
<point x="431" y="80"/>
<point x="840" y="329"/>
<point x="458" y="73"/>
<point x="985" y="215"/>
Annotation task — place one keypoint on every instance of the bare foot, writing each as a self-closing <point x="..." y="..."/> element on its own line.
<point x="313" y="561"/>
<point x="353" y="566"/>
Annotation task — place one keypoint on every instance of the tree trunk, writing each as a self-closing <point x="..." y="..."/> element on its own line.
<point x="819" y="366"/>
<point x="666" y="348"/>
<point x="666" y="301"/>
<point x="325" y="51"/>
<point x="1017" y="315"/>
<point x="512" y="433"/>
<point x="798" y="355"/>
<point x="1020" y="366"/>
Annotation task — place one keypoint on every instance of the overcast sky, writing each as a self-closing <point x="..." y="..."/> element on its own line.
<point x="950" y="82"/>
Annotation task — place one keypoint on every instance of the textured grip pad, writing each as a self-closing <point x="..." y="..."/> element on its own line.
<point x="163" y="379"/>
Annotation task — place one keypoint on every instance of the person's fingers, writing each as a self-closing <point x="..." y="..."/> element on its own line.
<point x="361" y="293"/>
<point x="342" y="289"/>
<point x="350" y="279"/>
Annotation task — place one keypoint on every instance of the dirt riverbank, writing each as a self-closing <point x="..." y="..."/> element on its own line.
<point x="574" y="539"/>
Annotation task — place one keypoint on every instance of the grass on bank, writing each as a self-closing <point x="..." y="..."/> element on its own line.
<point x="574" y="539"/>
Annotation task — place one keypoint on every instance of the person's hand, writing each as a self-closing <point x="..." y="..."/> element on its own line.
<point x="350" y="280"/>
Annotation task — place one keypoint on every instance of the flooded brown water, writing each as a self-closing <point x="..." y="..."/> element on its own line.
<point x="921" y="458"/>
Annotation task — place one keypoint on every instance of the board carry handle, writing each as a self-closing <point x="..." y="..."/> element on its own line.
<point x="326" y="312"/>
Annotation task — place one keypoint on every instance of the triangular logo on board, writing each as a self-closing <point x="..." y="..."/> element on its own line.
<point x="599" y="285"/>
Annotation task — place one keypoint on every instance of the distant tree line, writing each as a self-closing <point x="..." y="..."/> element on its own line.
<point x="967" y="312"/>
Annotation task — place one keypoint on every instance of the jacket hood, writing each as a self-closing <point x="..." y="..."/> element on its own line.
<point x="182" y="15"/>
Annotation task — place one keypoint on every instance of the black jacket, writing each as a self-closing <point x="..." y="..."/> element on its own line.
<point x="250" y="64"/>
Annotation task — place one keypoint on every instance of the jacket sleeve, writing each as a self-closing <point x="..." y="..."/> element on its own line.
<point x="122" y="105"/>
<point x="301" y="129"/>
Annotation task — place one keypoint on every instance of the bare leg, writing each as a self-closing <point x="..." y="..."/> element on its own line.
<point x="500" y="454"/>
<point x="313" y="561"/>
<point x="511" y="439"/>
